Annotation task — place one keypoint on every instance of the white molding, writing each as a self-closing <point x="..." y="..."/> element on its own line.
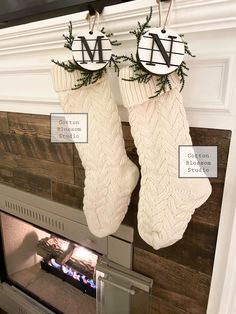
<point x="223" y="284"/>
<point x="32" y="100"/>
<point x="222" y="100"/>
<point x="36" y="43"/>
<point x="229" y="288"/>
<point x="120" y="19"/>
<point x="20" y="70"/>
<point x="31" y="107"/>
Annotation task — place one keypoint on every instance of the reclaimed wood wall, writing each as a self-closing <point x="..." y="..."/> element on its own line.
<point x="182" y="272"/>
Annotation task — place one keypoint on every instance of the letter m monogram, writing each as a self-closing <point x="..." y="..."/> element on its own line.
<point x="162" y="50"/>
<point x="91" y="54"/>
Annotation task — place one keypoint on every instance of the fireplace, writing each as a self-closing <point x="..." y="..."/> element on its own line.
<point x="52" y="264"/>
<point x="40" y="263"/>
<point x="70" y="262"/>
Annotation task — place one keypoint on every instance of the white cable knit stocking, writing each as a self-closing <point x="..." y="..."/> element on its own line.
<point x="159" y="126"/>
<point x="110" y="176"/>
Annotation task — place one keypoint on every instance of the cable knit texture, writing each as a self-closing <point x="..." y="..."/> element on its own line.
<point x="159" y="126"/>
<point x="110" y="176"/>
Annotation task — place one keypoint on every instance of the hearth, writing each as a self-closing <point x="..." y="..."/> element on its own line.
<point x="72" y="263"/>
<point x="51" y="263"/>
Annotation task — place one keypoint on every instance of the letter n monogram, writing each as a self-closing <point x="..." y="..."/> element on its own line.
<point x="163" y="52"/>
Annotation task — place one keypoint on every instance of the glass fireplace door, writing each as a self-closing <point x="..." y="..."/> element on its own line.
<point x="64" y="276"/>
<point x="53" y="271"/>
<point x="120" y="290"/>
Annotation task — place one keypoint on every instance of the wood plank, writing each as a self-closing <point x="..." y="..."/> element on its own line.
<point x="160" y="306"/>
<point x="36" y="147"/>
<point x="3" y="121"/>
<point x="209" y="212"/>
<point x="31" y="124"/>
<point x="181" y="272"/>
<point x="52" y="170"/>
<point x="79" y="171"/>
<point x="220" y="138"/>
<point x="71" y="195"/>
<point x="181" y="286"/>
<point x="195" y="250"/>
<point x="26" y="181"/>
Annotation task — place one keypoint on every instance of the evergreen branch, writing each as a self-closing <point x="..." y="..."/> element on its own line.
<point x="162" y="83"/>
<point x="114" y="61"/>
<point x="69" y="38"/>
<point x="89" y="77"/>
<point x="186" y="48"/>
<point x="142" y="28"/>
<point x="182" y="74"/>
<point x="127" y="58"/>
<point x="141" y="75"/>
<point x="69" y="66"/>
<point x="109" y="35"/>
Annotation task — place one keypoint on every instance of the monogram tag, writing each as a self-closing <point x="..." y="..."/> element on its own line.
<point x="161" y="51"/>
<point x="91" y="50"/>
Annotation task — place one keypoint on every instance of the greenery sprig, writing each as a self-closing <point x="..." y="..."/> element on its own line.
<point x="141" y="75"/>
<point x="87" y="77"/>
<point x="70" y="66"/>
<point x="142" y="28"/>
<point x="69" y="38"/>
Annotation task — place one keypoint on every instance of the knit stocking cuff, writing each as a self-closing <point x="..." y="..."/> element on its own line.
<point x="64" y="80"/>
<point x="135" y="93"/>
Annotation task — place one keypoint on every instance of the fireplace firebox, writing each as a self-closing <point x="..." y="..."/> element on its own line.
<point x="52" y="264"/>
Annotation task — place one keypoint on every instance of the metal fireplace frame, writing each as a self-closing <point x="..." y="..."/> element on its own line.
<point x="53" y="218"/>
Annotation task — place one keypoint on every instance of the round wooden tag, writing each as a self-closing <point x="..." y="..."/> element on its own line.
<point x="91" y="50"/>
<point x="161" y="51"/>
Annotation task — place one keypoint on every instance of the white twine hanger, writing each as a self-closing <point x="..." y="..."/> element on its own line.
<point x="93" y="20"/>
<point x="168" y="15"/>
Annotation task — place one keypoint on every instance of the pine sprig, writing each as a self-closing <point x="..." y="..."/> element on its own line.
<point x="69" y="38"/>
<point x="70" y="66"/>
<point x="182" y="74"/>
<point x="109" y="35"/>
<point x="163" y="84"/>
<point x="187" y="50"/>
<point x="142" y="28"/>
<point x="186" y="47"/>
<point x="114" y="61"/>
<point x="141" y="75"/>
<point x="89" y="77"/>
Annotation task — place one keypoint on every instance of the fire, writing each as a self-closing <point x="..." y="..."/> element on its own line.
<point x="81" y="253"/>
<point x="62" y="244"/>
<point x="69" y="261"/>
<point x="72" y="273"/>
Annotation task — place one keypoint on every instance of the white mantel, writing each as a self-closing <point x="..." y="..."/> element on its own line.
<point x="210" y="27"/>
<point x="210" y="93"/>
